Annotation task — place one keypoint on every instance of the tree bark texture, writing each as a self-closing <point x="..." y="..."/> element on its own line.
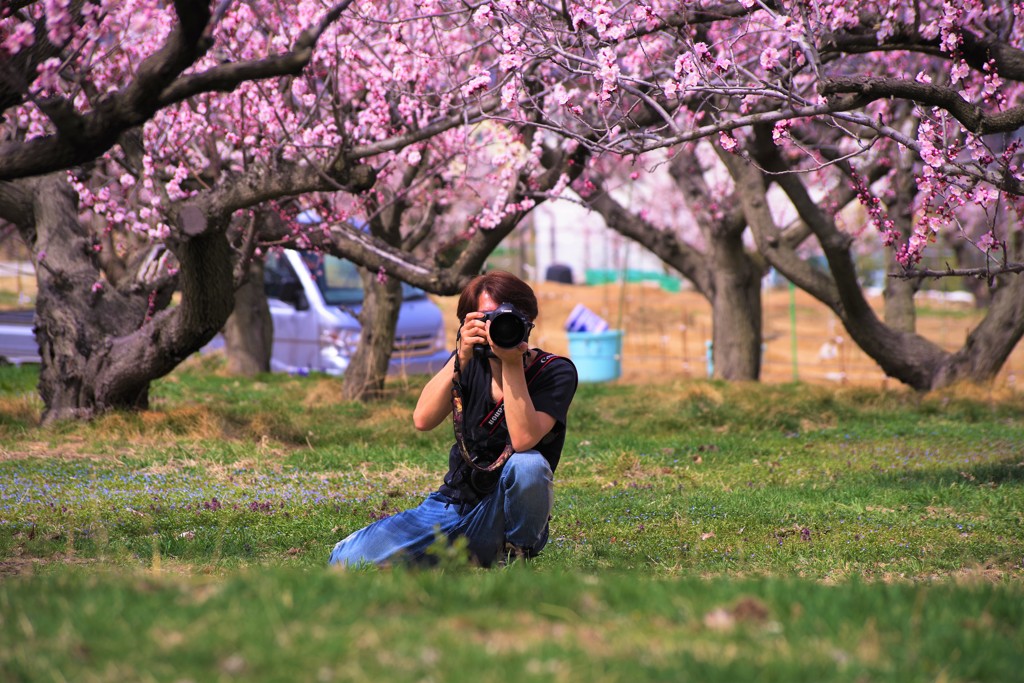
<point x="364" y="378"/>
<point x="735" y="311"/>
<point x="102" y="345"/>
<point x="249" y="331"/>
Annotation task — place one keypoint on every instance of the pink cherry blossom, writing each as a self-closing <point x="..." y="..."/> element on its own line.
<point x="769" y="58"/>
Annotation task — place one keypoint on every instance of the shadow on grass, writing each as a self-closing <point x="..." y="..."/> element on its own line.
<point x="1009" y="471"/>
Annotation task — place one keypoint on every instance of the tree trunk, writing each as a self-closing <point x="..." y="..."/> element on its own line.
<point x="724" y="273"/>
<point x="102" y="345"/>
<point x="900" y="311"/>
<point x="366" y="372"/>
<point x="74" y="309"/>
<point x="735" y="312"/>
<point x="249" y="332"/>
<point x="991" y="342"/>
<point x="905" y="356"/>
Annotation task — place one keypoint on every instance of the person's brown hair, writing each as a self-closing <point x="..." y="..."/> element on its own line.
<point x="504" y="288"/>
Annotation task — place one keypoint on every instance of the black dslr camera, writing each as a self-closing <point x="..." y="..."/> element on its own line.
<point x="509" y="328"/>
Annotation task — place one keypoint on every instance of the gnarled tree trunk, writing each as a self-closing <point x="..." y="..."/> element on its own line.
<point x="725" y="273"/>
<point x="103" y="342"/>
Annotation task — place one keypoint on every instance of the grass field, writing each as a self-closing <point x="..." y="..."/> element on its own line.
<point x="702" y="531"/>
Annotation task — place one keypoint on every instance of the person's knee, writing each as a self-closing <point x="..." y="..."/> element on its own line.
<point x="342" y="553"/>
<point x="528" y="469"/>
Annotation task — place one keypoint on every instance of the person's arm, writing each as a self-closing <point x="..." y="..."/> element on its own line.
<point x="435" y="401"/>
<point x="526" y="425"/>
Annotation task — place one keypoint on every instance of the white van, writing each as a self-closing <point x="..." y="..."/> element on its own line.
<point x="314" y="300"/>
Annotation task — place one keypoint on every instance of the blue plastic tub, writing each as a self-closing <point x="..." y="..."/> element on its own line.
<point x="597" y="355"/>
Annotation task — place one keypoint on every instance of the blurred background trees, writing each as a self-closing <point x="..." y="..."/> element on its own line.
<point x="149" y="148"/>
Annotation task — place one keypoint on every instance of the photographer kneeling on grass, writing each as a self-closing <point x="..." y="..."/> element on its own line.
<point x="509" y="405"/>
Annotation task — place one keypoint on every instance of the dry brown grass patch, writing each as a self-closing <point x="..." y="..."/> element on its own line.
<point x="25" y="407"/>
<point x="823" y="422"/>
<point x="689" y="391"/>
<point x="172" y="465"/>
<point x="195" y="422"/>
<point x="323" y="392"/>
<point x="973" y="391"/>
<point x="397" y="478"/>
<point x="388" y="414"/>
<point x="72" y="449"/>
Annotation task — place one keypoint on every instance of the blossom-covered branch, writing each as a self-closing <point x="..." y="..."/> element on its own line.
<point x="81" y="133"/>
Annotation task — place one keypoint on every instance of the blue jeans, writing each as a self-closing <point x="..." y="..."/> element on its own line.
<point x="517" y="511"/>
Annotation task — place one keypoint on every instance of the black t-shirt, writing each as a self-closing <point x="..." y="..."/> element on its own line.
<point x="551" y="390"/>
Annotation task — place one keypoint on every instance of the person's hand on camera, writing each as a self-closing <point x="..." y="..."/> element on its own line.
<point x="473" y="332"/>
<point x="512" y="354"/>
<point x="476" y="331"/>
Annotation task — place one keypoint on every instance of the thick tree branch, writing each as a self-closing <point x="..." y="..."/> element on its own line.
<point x="689" y="176"/>
<point x="906" y="356"/>
<point x="16" y="203"/>
<point x="867" y="89"/>
<point x="157" y="83"/>
<point x="665" y="244"/>
<point x="726" y="11"/>
<point x="283" y="179"/>
<point x="976" y="51"/>
<point x="348" y="242"/>
<point x="770" y="243"/>
<point x="81" y="137"/>
<point x="227" y="77"/>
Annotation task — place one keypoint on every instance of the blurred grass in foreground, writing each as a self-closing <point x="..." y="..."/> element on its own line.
<point x="707" y="530"/>
<point x="516" y="624"/>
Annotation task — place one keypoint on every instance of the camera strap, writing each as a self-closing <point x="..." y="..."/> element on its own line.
<point x="496" y="417"/>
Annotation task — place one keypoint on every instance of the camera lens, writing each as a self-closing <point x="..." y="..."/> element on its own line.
<point x="507" y="330"/>
<point x="484" y="482"/>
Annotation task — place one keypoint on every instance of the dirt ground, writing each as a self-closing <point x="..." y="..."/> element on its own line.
<point x="665" y="334"/>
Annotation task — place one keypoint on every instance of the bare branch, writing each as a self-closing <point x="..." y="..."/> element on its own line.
<point x="983" y="272"/>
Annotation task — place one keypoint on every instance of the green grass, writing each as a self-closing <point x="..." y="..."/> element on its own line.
<point x="283" y="625"/>
<point x="701" y="531"/>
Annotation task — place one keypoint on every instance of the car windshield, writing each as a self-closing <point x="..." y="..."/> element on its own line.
<point x="338" y="280"/>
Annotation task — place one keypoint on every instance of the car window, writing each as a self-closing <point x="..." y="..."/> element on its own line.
<point x="339" y="282"/>
<point x="276" y="273"/>
<point x="337" y="279"/>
